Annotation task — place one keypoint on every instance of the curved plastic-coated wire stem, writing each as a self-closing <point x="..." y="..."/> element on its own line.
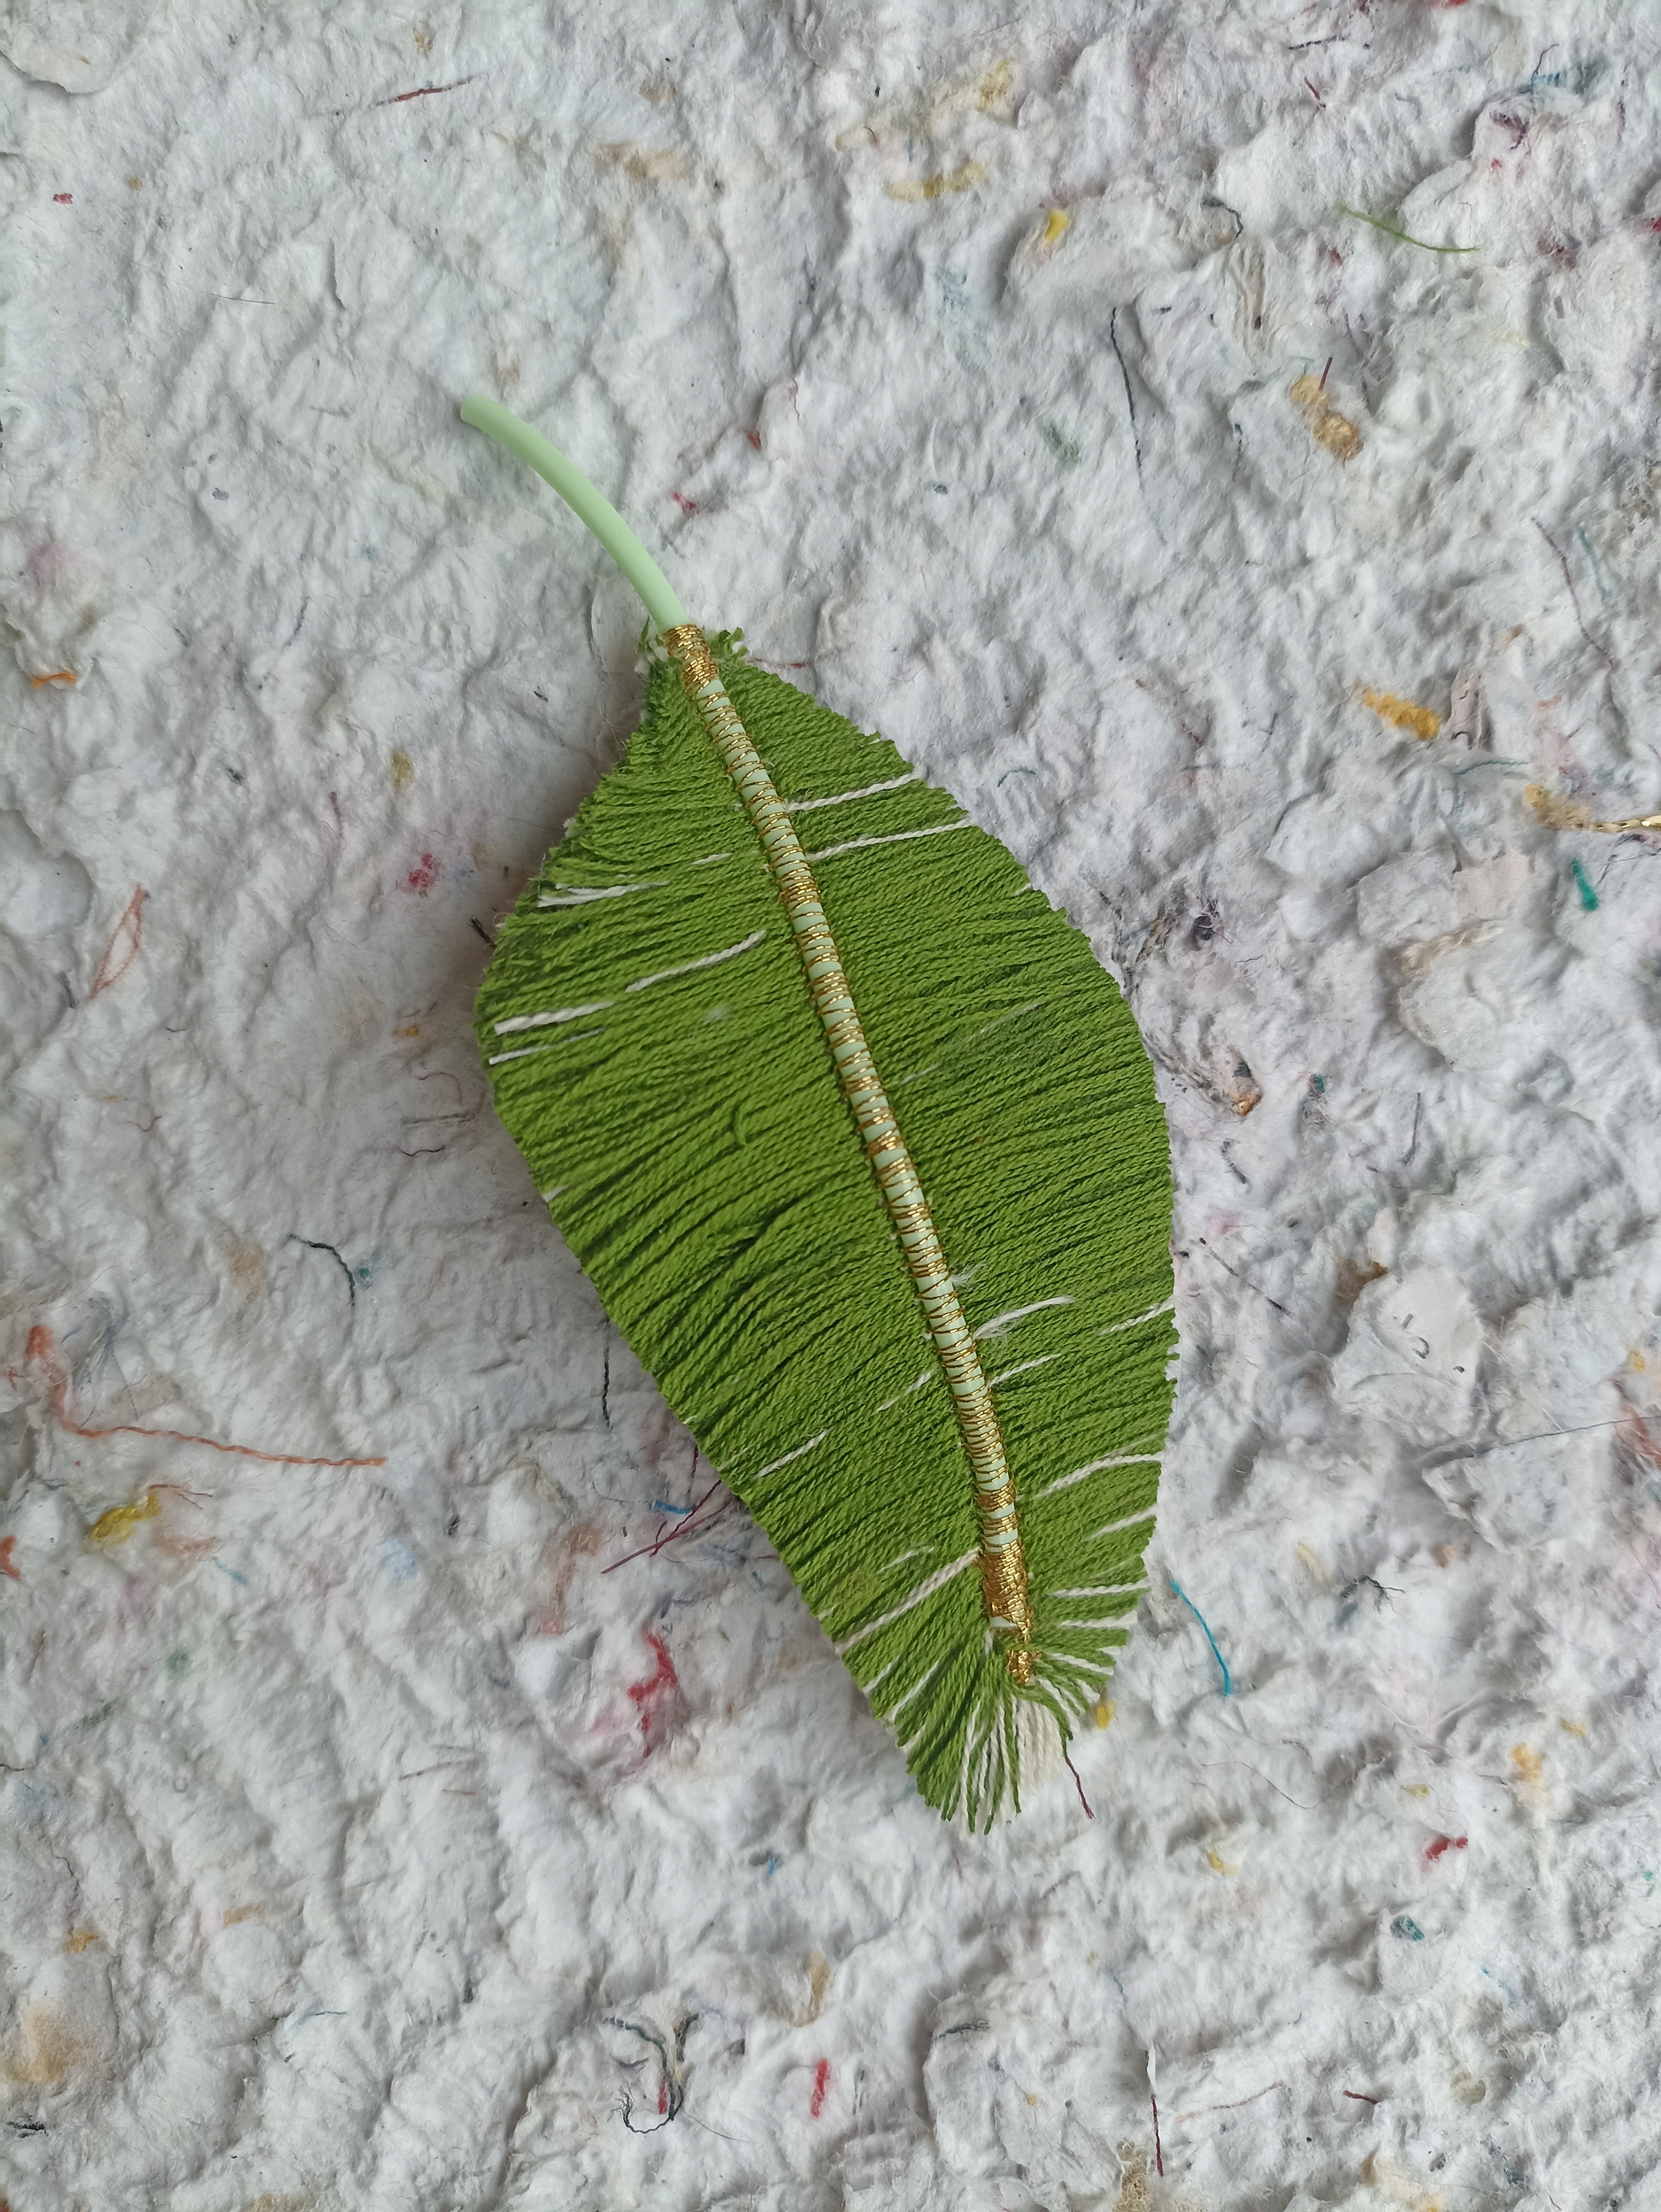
<point x="579" y="495"/>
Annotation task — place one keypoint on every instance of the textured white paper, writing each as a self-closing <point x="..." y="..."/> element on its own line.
<point x="361" y="1848"/>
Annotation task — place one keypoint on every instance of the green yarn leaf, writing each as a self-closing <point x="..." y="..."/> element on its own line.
<point x="649" y="1034"/>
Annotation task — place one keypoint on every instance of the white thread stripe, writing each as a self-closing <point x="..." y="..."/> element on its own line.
<point x="894" y="837"/>
<point x="1015" y="1013"/>
<point x="919" y="1596"/>
<point x="773" y="1465"/>
<point x="999" y="1322"/>
<point x="1101" y="1590"/>
<point x="1008" y="1374"/>
<point x="529" y="1052"/>
<point x="1094" y="1467"/>
<point x="972" y="1788"/>
<point x="582" y="898"/>
<point x="866" y="791"/>
<point x="928" y="1375"/>
<point x="710" y="960"/>
<point x="922" y="1681"/>
<point x="548" y="1196"/>
<point x="971" y="1746"/>
<point x="555" y="1014"/>
<point x="1165" y="1305"/>
<point x="1115" y="1528"/>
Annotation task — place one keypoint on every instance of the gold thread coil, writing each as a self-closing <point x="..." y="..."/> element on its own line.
<point x="1004" y="1578"/>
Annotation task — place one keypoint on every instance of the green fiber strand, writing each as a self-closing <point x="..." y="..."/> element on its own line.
<point x="580" y="496"/>
<point x="656" y="1058"/>
<point x="1390" y="231"/>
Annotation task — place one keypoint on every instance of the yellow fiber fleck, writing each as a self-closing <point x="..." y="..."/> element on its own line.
<point x="1315" y="1565"/>
<point x="1529" y="1764"/>
<point x="647" y="164"/>
<point x="1334" y="432"/>
<point x="1059" y="220"/>
<point x="1416" y="1789"/>
<point x="1105" y="1709"/>
<point x="958" y="180"/>
<point x="1556" y="813"/>
<point x="1572" y="1727"/>
<point x="1337" y="434"/>
<point x="1220" y="1865"/>
<point x="995" y="84"/>
<point x="80" y="1939"/>
<point x="1133" y="2194"/>
<point x="1402" y="714"/>
<point x="819" y="1980"/>
<point x="116" y="1526"/>
<point x="403" y="770"/>
<point x="1637" y="1360"/>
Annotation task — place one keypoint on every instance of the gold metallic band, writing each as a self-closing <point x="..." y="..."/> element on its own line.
<point x="1002" y="1563"/>
<point x="1568" y="814"/>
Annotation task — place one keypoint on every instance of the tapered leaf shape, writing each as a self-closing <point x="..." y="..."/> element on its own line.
<point x="650" y="1037"/>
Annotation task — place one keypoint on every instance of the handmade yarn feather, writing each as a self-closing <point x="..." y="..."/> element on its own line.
<point x="860" y="1147"/>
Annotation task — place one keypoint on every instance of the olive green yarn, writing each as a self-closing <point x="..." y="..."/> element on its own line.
<point x="677" y="1107"/>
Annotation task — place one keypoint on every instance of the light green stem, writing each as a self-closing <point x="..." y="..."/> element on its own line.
<point x="1390" y="231"/>
<point x="579" y="494"/>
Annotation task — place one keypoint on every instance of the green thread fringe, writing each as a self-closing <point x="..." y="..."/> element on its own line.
<point x="664" y="1074"/>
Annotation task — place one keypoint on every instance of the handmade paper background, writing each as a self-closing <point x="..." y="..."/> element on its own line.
<point x="382" y="1835"/>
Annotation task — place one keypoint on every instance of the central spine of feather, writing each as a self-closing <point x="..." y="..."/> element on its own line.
<point x="1003" y="1562"/>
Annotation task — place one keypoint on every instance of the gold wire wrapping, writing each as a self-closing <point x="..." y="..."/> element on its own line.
<point x="1568" y="814"/>
<point x="1004" y="1582"/>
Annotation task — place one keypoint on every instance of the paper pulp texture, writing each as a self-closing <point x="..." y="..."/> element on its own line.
<point x="385" y="1835"/>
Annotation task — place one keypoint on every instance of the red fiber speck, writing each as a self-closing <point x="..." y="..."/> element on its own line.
<point x="663" y="1679"/>
<point x="5" y="1559"/>
<point x="663" y="2092"/>
<point x="1079" y="1785"/>
<point x="821" y="2082"/>
<point x="123" y="948"/>
<point x="39" y="1349"/>
<point x="1434" y="1850"/>
<point x="422" y="92"/>
<point x="687" y="506"/>
<point x="659" y="1684"/>
<point x="63" y="199"/>
<point x="424" y="875"/>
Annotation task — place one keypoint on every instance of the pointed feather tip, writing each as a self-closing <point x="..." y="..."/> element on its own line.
<point x="1039" y="1753"/>
<point x="1042" y="1755"/>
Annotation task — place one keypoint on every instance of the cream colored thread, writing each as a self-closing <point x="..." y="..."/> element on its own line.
<point x="1003" y="1562"/>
